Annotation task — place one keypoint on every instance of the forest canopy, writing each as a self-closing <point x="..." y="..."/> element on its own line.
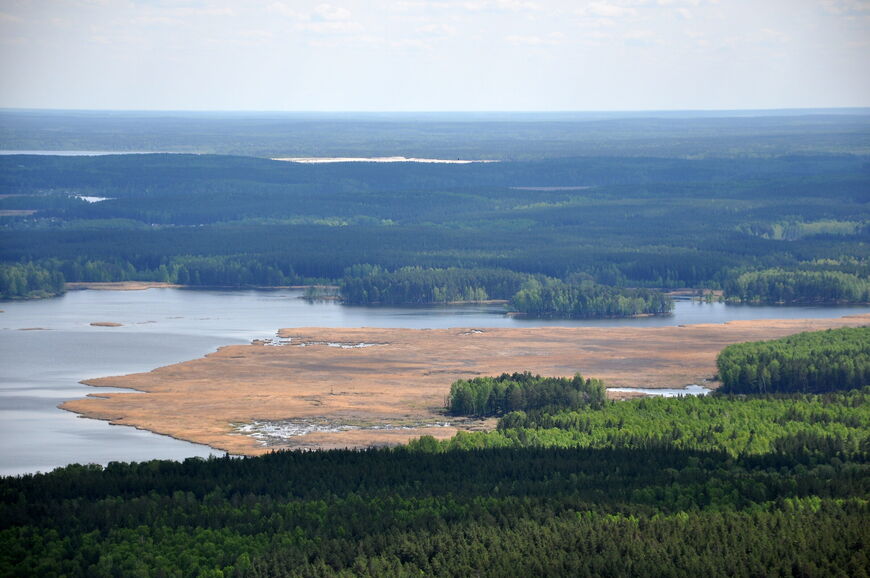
<point x="487" y="396"/>
<point x="811" y="362"/>
<point x="780" y="481"/>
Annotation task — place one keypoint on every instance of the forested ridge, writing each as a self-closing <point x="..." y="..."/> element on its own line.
<point x="787" y="226"/>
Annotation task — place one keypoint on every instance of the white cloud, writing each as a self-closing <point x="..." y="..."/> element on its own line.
<point x="437" y="29"/>
<point x="154" y="20"/>
<point x="330" y="27"/>
<point x="256" y="35"/>
<point x="408" y="5"/>
<point x="13" y="41"/>
<point x="517" y="5"/>
<point x="470" y="5"/>
<point x="846" y="6"/>
<point x="321" y="19"/>
<point x="596" y="23"/>
<point x="331" y="13"/>
<point x="773" y="35"/>
<point x="284" y="10"/>
<point x="551" y="39"/>
<point x="6" y="17"/>
<point x="638" y="35"/>
<point x="606" y="10"/>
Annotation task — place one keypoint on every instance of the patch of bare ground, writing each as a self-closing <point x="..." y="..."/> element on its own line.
<point x="404" y="379"/>
<point x="17" y="212"/>
<point x="106" y="324"/>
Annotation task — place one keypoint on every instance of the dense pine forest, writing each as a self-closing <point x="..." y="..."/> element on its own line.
<point x="787" y="222"/>
<point x="367" y="284"/>
<point x="808" y="362"/>
<point x="780" y="286"/>
<point x="724" y="486"/>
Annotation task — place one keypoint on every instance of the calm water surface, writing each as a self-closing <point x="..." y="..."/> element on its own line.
<point x="48" y="346"/>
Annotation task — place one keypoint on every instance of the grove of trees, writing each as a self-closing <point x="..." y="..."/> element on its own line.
<point x="814" y="361"/>
<point x="486" y="396"/>
<point x="784" y="286"/>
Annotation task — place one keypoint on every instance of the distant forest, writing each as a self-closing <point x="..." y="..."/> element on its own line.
<point x="764" y="216"/>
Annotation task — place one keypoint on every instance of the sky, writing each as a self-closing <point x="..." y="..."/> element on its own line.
<point x="434" y="55"/>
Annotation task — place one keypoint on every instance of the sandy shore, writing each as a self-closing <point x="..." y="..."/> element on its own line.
<point x="119" y="285"/>
<point x="142" y="285"/>
<point x="368" y="378"/>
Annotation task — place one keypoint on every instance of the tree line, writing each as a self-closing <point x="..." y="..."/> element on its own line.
<point x="371" y="284"/>
<point x="798" y="286"/>
<point x="824" y="424"/>
<point x="29" y="280"/>
<point x="533" y="295"/>
<point x="530" y="295"/>
<point x="538" y="510"/>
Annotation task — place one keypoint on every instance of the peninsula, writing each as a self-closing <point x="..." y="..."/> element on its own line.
<point x="361" y="387"/>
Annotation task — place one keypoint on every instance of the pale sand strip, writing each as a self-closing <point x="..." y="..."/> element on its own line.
<point x="119" y="285"/>
<point x="325" y="160"/>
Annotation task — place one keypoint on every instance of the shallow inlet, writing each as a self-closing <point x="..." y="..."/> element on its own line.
<point x="672" y="392"/>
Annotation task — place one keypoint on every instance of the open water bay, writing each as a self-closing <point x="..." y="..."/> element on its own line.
<point x="48" y="346"/>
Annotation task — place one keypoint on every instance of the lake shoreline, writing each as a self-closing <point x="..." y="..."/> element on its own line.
<point x="312" y="376"/>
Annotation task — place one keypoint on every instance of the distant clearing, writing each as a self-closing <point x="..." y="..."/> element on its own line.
<point x="321" y="160"/>
<point x="17" y="212"/>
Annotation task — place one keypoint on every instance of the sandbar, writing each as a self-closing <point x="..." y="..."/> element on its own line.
<point x="369" y="378"/>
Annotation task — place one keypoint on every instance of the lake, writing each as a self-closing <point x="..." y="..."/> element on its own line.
<point x="48" y="346"/>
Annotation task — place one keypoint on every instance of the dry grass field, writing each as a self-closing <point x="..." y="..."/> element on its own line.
<point x="385" y="386"/>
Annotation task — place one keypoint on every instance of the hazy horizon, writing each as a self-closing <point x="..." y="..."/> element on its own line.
<point x="435" y="55"/>
<point x="597" y="114"/>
